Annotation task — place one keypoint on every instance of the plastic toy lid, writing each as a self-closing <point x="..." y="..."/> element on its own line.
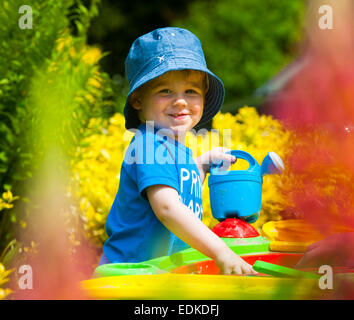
<point x="280" y="271"/>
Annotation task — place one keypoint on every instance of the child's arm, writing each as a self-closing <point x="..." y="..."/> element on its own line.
<point x="181" y="221"/>
<point x="204" y="161"/>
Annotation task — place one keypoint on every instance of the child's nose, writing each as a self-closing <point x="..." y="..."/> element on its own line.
<point x="180" y="101"/>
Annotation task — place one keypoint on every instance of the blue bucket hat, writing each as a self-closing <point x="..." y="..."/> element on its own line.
<point x="163" y="50"/>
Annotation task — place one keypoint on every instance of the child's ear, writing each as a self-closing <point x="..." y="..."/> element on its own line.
<point x="135" y="101"/>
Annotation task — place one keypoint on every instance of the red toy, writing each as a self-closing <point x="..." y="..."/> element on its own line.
<point x="235" y="228"/>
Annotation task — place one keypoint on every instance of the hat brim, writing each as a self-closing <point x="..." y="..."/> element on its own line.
<point x="214" y="97"/>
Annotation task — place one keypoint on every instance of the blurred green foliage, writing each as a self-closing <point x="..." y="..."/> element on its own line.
<point x="50" y="87"/>
<point x="246" y="42"/>
<point x="120" y="22"/>
<point x="22" y="52"/>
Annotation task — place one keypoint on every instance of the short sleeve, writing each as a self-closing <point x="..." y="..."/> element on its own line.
<point x="154" y="162"/>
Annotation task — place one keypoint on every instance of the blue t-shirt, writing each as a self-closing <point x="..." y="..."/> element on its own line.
<point x="134" y="232"/>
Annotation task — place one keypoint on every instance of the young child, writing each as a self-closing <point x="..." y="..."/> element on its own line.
<point x="158" y="208"/>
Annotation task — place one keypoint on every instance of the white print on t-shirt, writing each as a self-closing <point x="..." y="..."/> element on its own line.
<point x="196" y="186"/>
<point x="195" y="189"/>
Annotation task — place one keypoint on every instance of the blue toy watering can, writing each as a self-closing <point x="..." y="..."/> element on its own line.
<point x="238" y="193"/>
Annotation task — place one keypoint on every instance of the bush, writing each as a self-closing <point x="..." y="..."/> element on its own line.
<point x="50" y="88"/>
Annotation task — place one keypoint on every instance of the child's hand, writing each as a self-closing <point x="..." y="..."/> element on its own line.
<point x="231" y="263"/>
<point x="216" y="155"/>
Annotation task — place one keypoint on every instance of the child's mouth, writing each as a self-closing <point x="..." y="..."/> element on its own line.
<point x="179" y="116"/>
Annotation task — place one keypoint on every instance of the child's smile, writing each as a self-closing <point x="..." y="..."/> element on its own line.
<point x="173" y="101"/>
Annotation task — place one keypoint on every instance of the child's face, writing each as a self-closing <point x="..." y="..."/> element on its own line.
<point x="173" y="101"/>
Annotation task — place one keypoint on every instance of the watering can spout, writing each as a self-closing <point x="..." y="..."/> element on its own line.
<point x="272" y="164"/>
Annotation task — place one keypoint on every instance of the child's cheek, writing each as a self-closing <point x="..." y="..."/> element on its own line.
<point x="197" y="107"/>
<point x="159" y="102"/>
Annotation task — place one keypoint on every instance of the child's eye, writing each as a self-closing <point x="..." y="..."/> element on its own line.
<point x="192" y="91"/>
<point x="165" y="91"/>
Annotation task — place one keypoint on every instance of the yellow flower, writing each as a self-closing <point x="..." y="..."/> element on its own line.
<point x="92" y="55"/>
<point x="3" y="279"/>
<point x="23" y="224"/>
<point x="7" y="196"/>
<point x="63" y="42"/>
<point x="7" y="199"/>
<point x="95" y="82"/>
<point x="72" y="52"/>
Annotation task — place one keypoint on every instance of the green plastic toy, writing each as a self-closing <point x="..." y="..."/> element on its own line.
<point x="280" y="271"/>
<point x="120" y="269"/>
<point x="167" y="263"/>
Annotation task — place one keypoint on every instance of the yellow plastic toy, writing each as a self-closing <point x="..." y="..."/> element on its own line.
<point x="292" y="230"/>
<point x="206" y="287"/>
<point x="286" y="246"/>
<point x="296" y="230"/>
<point x="295" y="235"/>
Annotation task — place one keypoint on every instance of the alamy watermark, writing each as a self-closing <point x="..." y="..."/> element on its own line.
<point x="326" y="281"/>
<point x="155" y="145"/>
<point x="326" y="20"/>
<point x="25" y="281"/>
<point x="25" y="21"/>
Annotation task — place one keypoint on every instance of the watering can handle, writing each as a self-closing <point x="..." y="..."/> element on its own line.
<point x="238" y="154"/>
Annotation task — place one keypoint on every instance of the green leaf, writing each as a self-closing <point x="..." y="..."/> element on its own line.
<point x="7" y="187"/>
<point x="3" y="157"/>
